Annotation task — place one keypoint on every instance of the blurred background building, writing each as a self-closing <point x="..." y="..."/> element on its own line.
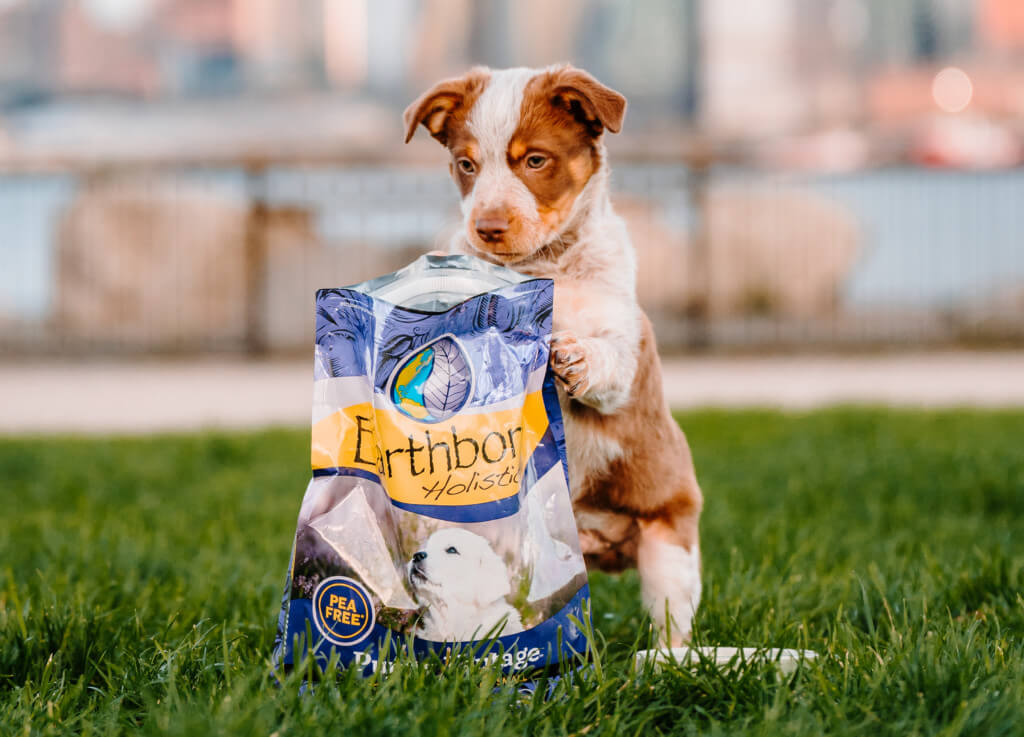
<point x="179" y="175"/>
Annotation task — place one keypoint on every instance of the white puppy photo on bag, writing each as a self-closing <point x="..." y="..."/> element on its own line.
<point x="463" y="585"/>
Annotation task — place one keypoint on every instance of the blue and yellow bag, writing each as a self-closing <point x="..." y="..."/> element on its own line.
<point x="439" y="508"/>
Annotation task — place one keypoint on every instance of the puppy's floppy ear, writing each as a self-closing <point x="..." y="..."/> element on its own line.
<point x="435" y="106"/>
<point x="589" y="101"/>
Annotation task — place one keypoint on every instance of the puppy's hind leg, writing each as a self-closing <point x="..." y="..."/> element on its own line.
<point x="668" y="559"/>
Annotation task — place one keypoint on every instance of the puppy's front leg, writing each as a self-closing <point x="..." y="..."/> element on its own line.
<point x="596" y="370"/>
<point x="595" y="343"/>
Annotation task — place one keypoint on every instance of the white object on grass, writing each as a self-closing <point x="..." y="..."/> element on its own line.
<point x="786" y="659"/>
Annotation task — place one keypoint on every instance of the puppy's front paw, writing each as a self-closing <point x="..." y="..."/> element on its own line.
<point x="569" y="362"/>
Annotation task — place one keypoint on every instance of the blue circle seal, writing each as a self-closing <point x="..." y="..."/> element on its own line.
<point x="343" y="611"/>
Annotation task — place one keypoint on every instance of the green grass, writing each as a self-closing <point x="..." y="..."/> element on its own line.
<point x="140" y="581"/>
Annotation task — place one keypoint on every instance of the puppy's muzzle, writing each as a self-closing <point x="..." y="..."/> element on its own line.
<point x="416" y="567"/>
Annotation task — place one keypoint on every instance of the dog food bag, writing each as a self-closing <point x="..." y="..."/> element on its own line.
<point x="438" y="511"/>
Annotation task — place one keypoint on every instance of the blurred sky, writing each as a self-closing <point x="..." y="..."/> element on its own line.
<point x="796" y="63"/>
<point x="869" y="89"/>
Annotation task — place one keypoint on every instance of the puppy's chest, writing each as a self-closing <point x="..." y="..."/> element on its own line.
<point x="589" y="448"/>
<point x="605" y="535"/>
<point x="584" y="304"/>
<point x="581" y="308"/>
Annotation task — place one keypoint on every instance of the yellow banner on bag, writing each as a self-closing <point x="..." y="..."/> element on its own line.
<point x="466" y="459"/>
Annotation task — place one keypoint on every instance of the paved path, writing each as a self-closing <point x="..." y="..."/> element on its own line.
<point x="145" y="396"/>
<point x="957" y="378"/>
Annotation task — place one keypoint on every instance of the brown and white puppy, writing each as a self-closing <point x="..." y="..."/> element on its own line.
<point x="528" y="156"/>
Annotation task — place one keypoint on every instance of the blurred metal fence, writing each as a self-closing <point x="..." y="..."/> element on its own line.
<point x="224" y="256"/>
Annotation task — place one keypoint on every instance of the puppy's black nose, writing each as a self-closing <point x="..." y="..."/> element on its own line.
<point x="417" y="557"/>
<point x="491" y="228"/>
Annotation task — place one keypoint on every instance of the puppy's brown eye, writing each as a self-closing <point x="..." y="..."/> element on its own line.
<point x="536" y="161"/>
<point x="452" y="551"/>
<point x="466" y="165"/>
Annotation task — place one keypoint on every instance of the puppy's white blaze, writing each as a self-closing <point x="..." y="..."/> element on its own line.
<point x="497" y="187"/>
<point x="495" y="115"/>
<point x="492" y="121"/>
<point x="670" y="581"/>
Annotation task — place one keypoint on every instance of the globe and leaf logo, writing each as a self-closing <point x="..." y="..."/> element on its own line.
<point x="433" y="383"/>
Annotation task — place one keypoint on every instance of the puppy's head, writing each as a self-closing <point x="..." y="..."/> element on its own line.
<point x="524" y="143"/>
<point x="458" y="569"/>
